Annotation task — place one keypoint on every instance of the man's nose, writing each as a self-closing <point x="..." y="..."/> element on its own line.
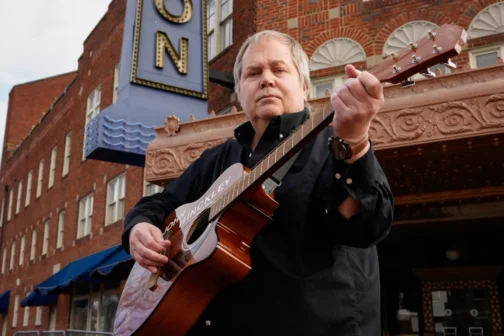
<point x="267" y="80"/>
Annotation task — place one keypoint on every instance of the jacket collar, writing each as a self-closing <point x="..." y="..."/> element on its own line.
<point x="283" y="124"/>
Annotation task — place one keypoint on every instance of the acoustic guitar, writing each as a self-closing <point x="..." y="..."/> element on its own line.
<point x="211" y="237"/>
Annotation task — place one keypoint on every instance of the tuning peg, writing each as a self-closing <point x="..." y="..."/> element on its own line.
<point x="396" y="69"/>
<point x="432" y="35"/>
<point x="436" y="49"/>
<point x="449" y="64"/>
<point x="413" y="46"/>
<point x="407" y="83"/>
<point x="427" y="73"/>
<point x="415" y="58"/>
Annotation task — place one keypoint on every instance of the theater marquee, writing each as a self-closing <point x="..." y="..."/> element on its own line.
<point x="163" y="71"/>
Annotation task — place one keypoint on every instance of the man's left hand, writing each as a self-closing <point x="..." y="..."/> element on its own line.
<point x="355" y="104"/>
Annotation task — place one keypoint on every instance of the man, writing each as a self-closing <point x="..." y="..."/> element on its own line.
<point x="314" y="267"/>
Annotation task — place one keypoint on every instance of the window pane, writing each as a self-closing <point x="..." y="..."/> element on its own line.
<point x="93" y="313"/>
<point x="212" y="46"/>
<point x="79" y="318"/>
<point x="321" y="88"/>
<point x="108" y="311"/>
<point x="228" y="33"/>
<point x="486" y="59"/>
<point x="225" y="9"/>
<point x="211" y="15"/>
<point x="461" y="309"/>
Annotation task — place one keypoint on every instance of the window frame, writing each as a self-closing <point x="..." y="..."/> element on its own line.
<point x="67" y="154"/>
<point x="475" y="52"/>
<point x="52" y="167"/>
<point x="28" y="188"/>
<point x="118" y="193"/>
<point x="40" y="179"/>
<point x="45" y="242"/>
<point x="61" y="229"/>
<point x="88" y="204"/>
<point x="217" y="33"/>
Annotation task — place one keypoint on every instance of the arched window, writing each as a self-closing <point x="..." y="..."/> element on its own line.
<point x="489" y="21"/>
<point x="409" y="32"/>
<point x="337" y="52"/>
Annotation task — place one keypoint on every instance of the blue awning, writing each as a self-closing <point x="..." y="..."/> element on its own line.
<point x="116" y="267"/>
<point x="4" y="301"/>
<point x="77" y="271"/>
<point x="37" y="299"/>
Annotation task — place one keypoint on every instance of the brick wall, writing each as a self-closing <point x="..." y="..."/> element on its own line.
<point x="27" y="102"/>
<point x="369" y="23"/>
<point x="244" y="14"/>
<point x="101" y="53"/>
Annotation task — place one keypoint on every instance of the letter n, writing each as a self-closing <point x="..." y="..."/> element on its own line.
<point x="179" y="60"/>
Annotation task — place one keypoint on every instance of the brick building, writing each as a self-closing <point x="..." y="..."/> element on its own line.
<point x="58" y="207"/>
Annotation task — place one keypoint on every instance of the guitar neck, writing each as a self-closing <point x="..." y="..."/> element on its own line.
<point x="438" y="46"/>
<point x="276" y="158"/>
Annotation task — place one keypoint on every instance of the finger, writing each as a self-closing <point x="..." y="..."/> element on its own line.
<point x="148" y="241"/>
<point x="372" y="85"/>
<point x="351" y="71"/>
<point x="150" y="255"/>
<point x="357" y="90"/>
<point x="158" y="237"/>
<point x="347" y="98"/>
<point x="141" y="262"/>
<point x="337" y="103"/>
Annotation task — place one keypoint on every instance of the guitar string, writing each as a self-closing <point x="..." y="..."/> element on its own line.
<point x="178" y="234"/>
<point x="207" y="211"/>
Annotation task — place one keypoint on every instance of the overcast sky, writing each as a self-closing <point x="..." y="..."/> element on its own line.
<point x="42" y="38"/>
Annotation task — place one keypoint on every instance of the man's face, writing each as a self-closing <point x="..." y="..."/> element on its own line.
<point x="270" y="83"/>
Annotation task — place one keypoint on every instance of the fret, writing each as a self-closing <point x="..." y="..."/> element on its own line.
<point x="302" y="130"/>
<point x="312" y="122"/>
<point x="283" y="149"/>
<point x="261" y="166"/>
<point x="276" y="150"/>
<point x="233" y="190"/>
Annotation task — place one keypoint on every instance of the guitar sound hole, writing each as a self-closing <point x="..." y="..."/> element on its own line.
<point x="198" y="227"/>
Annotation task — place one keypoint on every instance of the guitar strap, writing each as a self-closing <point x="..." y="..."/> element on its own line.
<point x="275" y="180"/>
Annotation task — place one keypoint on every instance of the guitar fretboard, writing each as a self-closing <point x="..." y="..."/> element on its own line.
<point x="273" y="160"/>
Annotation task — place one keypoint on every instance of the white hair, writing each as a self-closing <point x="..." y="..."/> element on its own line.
<point x="298" y="55"/>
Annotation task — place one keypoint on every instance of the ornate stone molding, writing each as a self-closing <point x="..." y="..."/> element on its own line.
<point x="177" y="145"/>
<point x="463" y="104"/>
<point x="454" y="106"/>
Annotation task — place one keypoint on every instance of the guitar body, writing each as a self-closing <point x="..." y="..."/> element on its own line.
<point x="203" y="261"/>
<point x="211" y="237"/>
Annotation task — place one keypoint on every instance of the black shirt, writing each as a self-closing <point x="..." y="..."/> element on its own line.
<point x="313" y="271"/>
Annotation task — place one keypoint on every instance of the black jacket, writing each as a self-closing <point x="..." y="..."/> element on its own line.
<point x="314" y="272"/>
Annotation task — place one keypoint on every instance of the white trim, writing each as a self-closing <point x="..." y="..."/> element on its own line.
<point x="473" y="53"/>
<point x="52" y="167"/>
<point x="28" y="187"/>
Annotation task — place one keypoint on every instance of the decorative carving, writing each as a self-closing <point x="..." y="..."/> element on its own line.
<point x="409" y="32"/>
<point x="489" y="21"/>
<point x="337" y="52"/>
<point x="494" y="106"/>
<point x="172" y="125"/>
<point x="173" y="161"/>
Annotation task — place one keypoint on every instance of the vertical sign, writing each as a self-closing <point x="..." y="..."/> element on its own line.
<point x="163" y="72"/>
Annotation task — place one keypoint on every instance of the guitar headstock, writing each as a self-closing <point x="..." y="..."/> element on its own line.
<point x="437" y="47"/>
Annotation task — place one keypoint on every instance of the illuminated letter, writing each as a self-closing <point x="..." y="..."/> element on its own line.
<point x="182" y="18"/>
<point x="180" y="61"/>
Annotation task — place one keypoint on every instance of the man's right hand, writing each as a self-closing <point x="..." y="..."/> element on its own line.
<point x="146" y="242"/>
